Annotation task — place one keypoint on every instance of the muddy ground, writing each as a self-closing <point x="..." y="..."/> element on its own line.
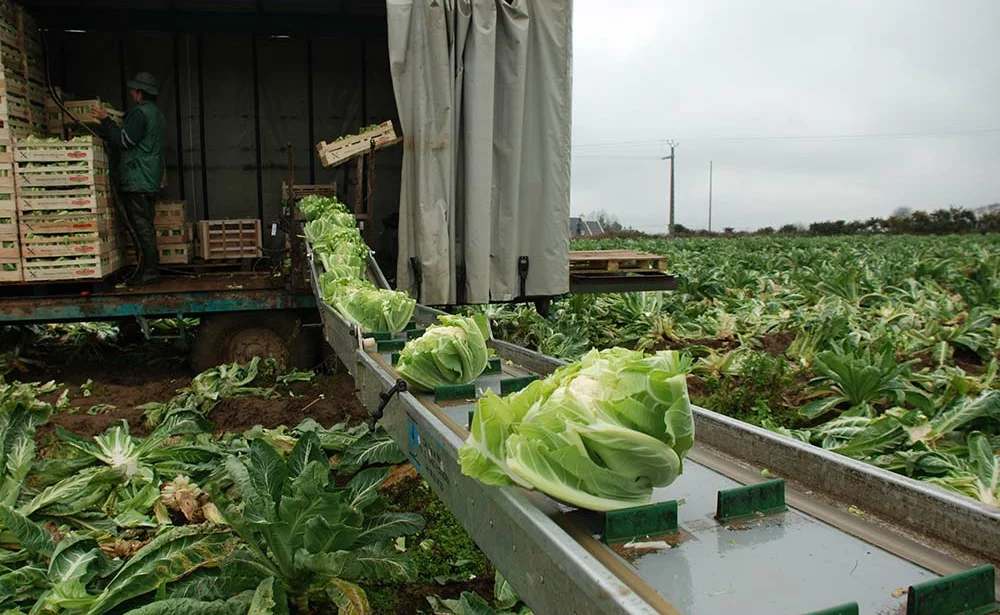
<point x="104" y="390"/>
<point x="110" y="385"/>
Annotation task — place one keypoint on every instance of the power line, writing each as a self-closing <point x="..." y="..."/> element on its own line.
<point x="803" y="137"/>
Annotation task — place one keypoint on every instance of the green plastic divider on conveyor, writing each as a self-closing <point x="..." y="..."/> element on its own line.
<point x="493" y="366"/>
<point x="971" y="592"/>
<point x="453" y="392"/>
<point x="851" y="608"/>
<point x="513" y="385"/>
<point x="651" y="520"/>
<point x="390" y="345"/>
<point x="764" y="498"/>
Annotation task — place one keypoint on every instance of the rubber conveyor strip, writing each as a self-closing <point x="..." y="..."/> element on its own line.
<point x="557" y="564"/>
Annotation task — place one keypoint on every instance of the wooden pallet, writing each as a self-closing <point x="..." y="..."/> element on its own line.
<point x="82" y="199"/>
<point x="89" y="267"/>
<point x="346" y="148"/>
<point x="607" y="261"/>
<point x="228" y="239"/>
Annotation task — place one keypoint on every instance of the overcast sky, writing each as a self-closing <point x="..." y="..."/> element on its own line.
<point x="752" y="85"/>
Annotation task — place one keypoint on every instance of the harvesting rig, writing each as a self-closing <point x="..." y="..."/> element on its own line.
<point x="473" y="206"/>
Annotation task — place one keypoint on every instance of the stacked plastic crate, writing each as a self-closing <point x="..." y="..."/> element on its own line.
<point x="67" y="221"/>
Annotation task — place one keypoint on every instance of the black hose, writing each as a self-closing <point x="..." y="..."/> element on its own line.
<point x="114" y="189"/>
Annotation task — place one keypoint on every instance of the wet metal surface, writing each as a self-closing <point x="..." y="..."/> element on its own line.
<point x="789" y="563"/>
<point x="785" y="563"/>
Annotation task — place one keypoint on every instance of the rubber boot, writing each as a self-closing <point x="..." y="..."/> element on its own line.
<point x="141" y="208"/>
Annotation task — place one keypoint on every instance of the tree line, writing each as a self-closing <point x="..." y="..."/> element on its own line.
<point x="902" y="221"/>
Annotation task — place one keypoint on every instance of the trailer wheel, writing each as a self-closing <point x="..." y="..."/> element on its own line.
<point x="239" y="337"/>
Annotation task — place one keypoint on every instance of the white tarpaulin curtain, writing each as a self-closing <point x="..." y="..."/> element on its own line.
<point x="483" y="89"/>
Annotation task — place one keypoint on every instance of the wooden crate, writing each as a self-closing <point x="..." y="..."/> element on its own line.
<point x="94" y="266"/>
<point x="7" y="200"/>
<point x="13" y="82"/>
<point x="170" y="214"/>
<point x="60" y="245"/>
<point x="38" y="95"/>
<point x="175" y="254"/>
<point x="14" y="106"/>
<point x="45" y="223"/>
<point x="17" y="127"/>
<point x="170" y="254"/>
<point x="224" y="239"/>
<point x="56" y="120"/>
<point x="170" y="235"/>
<point x="8" y="227"/>
<point x="8" y="11"/>
<point x="82" y="199"/>
<point x="346" y="148"/>
<point x="10" y="246"/>
<point x="611" y="261"/>
<point x="59" y="176"/>
<point x="9" y="35"/>
<point x="12" y="56"/>
<point x="90" y="150"/>
<point x="11" y="270"/>
<point x="6" y="176"/>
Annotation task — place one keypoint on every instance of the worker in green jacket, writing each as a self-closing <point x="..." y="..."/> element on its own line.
<point x="141" y="139"/>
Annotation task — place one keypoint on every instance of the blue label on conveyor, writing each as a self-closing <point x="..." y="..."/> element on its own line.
<point x="426" y="454"/>
<point x="413" y="441"/>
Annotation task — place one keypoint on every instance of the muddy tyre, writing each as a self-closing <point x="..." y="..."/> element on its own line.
<point x="239" y="337"/>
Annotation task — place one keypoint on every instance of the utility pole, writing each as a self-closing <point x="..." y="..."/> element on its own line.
<point x="709" y="196"/>
<point x="670" y="223"/>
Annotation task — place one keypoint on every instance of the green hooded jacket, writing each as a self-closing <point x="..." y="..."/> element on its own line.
<point x="142" y="139"/>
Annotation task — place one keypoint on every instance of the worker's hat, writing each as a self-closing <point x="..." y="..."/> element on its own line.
<point x="145" y="82"/>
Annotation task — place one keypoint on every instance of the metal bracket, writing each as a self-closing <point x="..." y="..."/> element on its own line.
<point x="377" y="413"/>
<point x="418" y="276"/>
<point x="522" y="272"/>
<point x="143" y="326"/>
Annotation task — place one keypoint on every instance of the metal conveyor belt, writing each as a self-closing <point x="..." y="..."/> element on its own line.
<point x="820" y="553"/>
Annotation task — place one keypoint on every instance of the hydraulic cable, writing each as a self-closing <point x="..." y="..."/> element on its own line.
<point x="115" y="194"/>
